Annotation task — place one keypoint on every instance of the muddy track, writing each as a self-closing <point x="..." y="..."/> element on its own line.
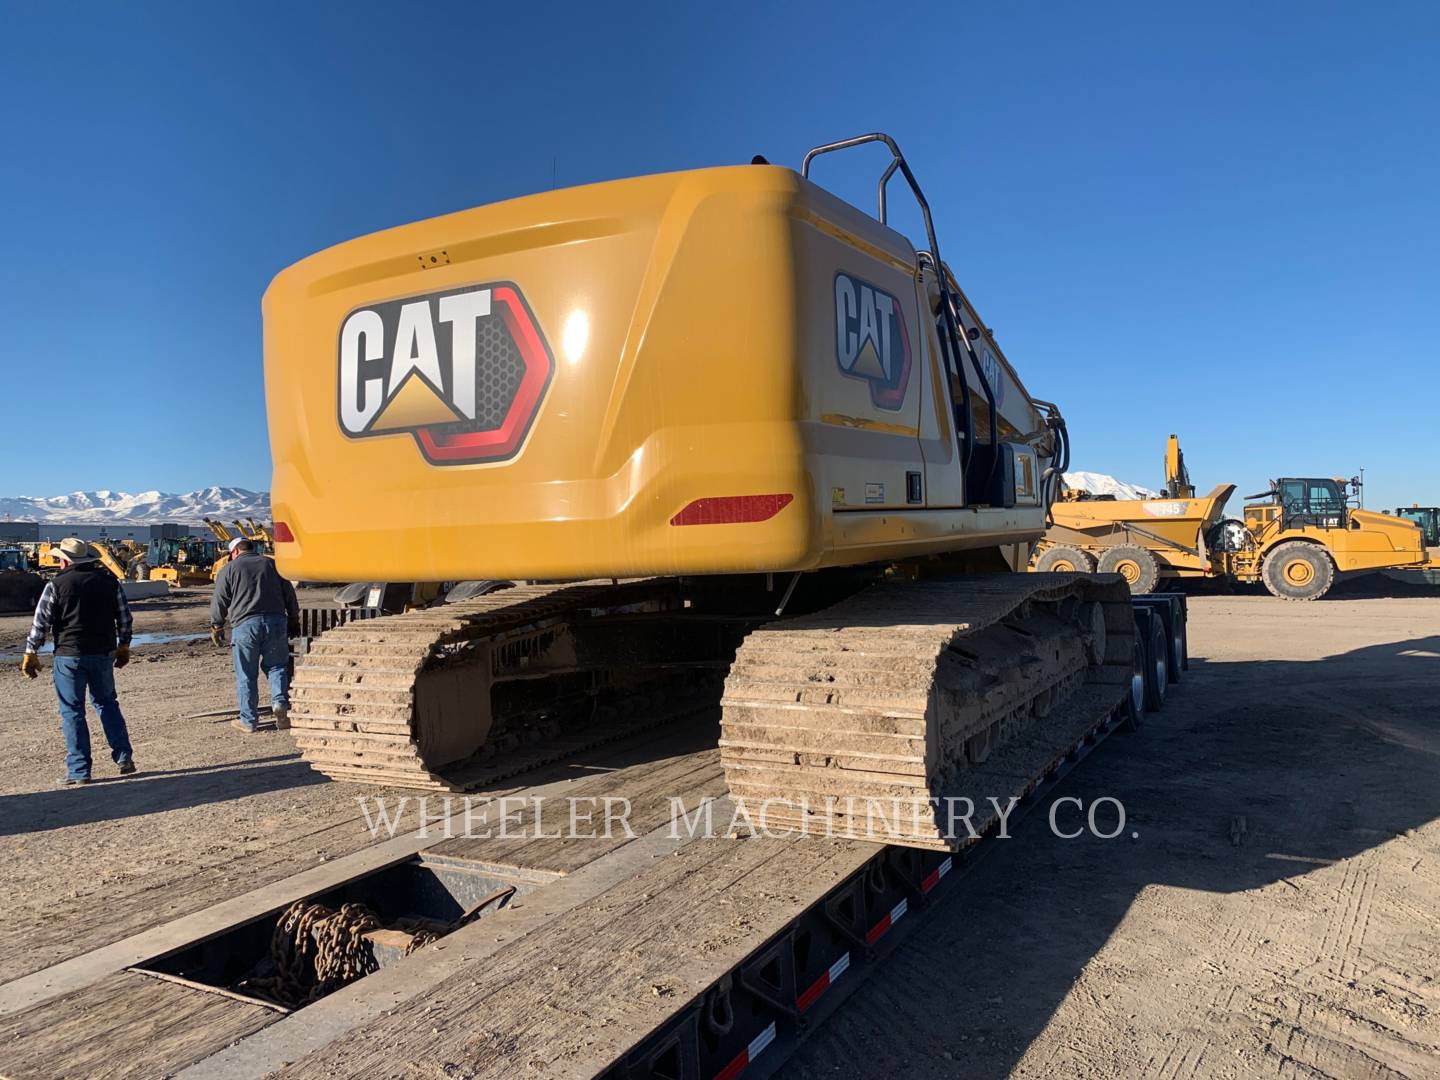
<point x="852" y="720"/>
<point x="405" y="700"/>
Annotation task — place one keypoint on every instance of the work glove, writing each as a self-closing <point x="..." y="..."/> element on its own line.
<point x="215" y="638"/>
<point x="122" y="656"/>
<point x="30" y="666"/>
<point x="292" y="628"/>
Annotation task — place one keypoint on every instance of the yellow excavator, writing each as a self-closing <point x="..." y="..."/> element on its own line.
<point x="124" y="559"/>
<point x="1295" y="538"/>
<point x="258" y="535"/>
<point x="728" y="435"/>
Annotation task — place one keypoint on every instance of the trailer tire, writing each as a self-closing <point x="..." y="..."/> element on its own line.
<point x="1136" y="565"/>
<point x="1064" y="559"/>
<point x="1296" y="570"/>
<point x="1132" y="709"/>
<point x="1157" y="666"/>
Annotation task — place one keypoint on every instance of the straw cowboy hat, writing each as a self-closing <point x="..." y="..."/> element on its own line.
<point x="73" y="550"/>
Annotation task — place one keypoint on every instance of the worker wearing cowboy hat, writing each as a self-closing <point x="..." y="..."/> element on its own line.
<point x="84" y="608"/>
<point x="264" y="615"/>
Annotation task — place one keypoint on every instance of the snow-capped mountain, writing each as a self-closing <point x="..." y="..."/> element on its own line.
<point x="227" y="503"/>
<point x="147" y="507"/>
<point x="1100" y="484"/>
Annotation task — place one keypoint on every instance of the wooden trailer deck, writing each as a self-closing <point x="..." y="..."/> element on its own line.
<point x="605" y="943"/>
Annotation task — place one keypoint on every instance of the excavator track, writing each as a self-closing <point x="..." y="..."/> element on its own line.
<point x="883" y="716"/>
<point x="406" y="701"/>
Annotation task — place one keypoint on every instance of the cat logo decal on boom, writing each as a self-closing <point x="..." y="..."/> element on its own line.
<point x="871" y="341"/>
<point x="463" y="371"/>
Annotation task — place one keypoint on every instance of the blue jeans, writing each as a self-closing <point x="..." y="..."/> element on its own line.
<point x="73" y="675"/>
<point x="260" y="642"/>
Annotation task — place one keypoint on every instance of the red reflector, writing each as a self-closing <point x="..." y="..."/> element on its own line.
<point x="732" y="509"/>
<point x="282" y="533"/>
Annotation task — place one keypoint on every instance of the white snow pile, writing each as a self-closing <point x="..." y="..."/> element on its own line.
<point x="1100" y="484"/>
<point x="147" y="507"/>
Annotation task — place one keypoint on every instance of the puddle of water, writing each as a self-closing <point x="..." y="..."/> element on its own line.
<point x="135" y="643"/>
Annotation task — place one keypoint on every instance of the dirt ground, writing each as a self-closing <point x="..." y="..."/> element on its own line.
<point x="1272" y="906"/>
<point x="1306" y="945"/>
<point x="211" y="809"/>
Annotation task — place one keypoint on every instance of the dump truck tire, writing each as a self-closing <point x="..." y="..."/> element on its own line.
<point x="1136" y="565"/>
<point x="1062" y="558"/>
<point x="1296" y="570"/>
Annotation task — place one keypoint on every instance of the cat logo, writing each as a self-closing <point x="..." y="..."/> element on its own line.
<point x="871" y="341"/>
<point x="462" y="371"/>
<point x="991" y="367"/>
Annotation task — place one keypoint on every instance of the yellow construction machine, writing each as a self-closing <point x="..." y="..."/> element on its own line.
<point x="771" y="446"/>
<point x="124" y="559"/>
<point x="1295" y="540"/>
<point x="1303" y="531"/>
<point x="258" y="535"/>
<point x="183" y="561"/>
<point x="1428" y="520"/>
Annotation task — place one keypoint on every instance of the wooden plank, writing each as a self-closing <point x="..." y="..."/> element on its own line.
<point x="647" y="786"/>
<point x="125" y="1027"/>
<point x="27" y="948"/>
<point x="74" y="955"/>
<point x="565" y="1002"/>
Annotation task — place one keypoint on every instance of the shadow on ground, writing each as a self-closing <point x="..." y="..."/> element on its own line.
<point x="112" y="799"/>
<point x="1322" y="760"/>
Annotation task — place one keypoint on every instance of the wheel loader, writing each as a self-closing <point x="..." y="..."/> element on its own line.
<point x="733" y="439"/>
<point x="1295" y="538"/>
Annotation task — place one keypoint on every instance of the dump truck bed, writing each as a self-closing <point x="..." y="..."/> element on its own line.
<point x="1171" y="529"/>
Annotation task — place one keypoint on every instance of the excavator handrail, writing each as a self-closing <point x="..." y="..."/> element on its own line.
<point x="956" y="340"/>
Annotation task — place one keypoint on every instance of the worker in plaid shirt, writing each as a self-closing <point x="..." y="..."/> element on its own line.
<point x="84" y="609"/>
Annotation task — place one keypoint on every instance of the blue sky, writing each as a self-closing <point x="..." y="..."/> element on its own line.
<point x="1217" y="219"/>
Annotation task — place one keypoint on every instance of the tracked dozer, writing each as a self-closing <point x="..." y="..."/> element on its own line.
<point x="734" y="439"/>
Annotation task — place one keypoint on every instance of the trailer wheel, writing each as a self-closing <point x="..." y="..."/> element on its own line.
<point x="1064" y="559"/>
<point x="1296" y="570"/>
<point x="1132" y="709"/>
<point x="1157" y="666"/>
<point x="1136" y="565"/>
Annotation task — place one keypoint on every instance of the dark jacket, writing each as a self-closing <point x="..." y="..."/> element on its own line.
<point x="248" y="586"/>
<point x="85" y="609"/>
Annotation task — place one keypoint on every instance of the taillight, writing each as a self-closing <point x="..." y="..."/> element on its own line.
<point x="282" y="533"/>
<point x="732" y="509"/>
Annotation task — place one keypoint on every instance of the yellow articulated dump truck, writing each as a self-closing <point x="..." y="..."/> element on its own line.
<point x="1295" y="539"/>
<point x="1142" y="540"/>
<point x="736" y="443"/>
